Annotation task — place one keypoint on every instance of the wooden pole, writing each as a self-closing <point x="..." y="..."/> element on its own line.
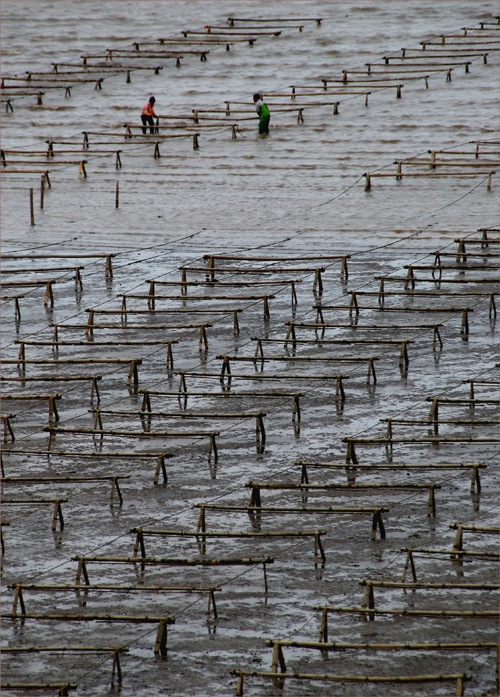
<point x="32" y="208"/>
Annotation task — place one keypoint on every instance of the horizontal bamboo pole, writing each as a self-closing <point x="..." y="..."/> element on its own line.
<point x="490" y="530"/>
<point x="32" y="502"/>
<point x="216" y="284"/>
<point x="482" y="241"/>
<point x="86" y="342"/>
<point x="330" y="677"/>
<point x="132" y="434"/>
<point x="327" y="487"/>
<point x="257" y="270"/>
<point x="437" y="281"/>
<point x="43" y="163"/>
<point x="242" y="257"/>
<point x="396" y="309"/>
<point x="33" y="88"/>
<point x="279" y="19"/>
<point x="50" y="378"/>
<point x="63" y="649"/>
<point x="190" y="298"/>
<point x="429" y="67"/>
<point x="61" y="478"/>
<point x="292" y="509"/>
<point x="342" y="342"/>
<point x="471" y="401"/>
<point x="439" y="163"/>
<point x="92" y="454"/>
<point x="224" y="534"/>
<point x="272" y="394"/>
<point x="58" y="255"/>
<point x="431" y="175"/>
<point x="424" y="439"/>
<point x="170" y="561"/>
<point x="63" y="687"/>
<point x="416" y="53"/>
<point x="430" y="586"/>
<point x="91" y="617"/>
<point x="29" y="284"/>
<point x="184" y="41"/>
<point x="452" y="552"/>
<point x="327" y="93"/>
<point x="149" y="327"/>
<point x="434" y="420"/>
<point x="71" y="361"/>
<point x="474" y="43"/>
<point x="47" y="270"/>
<point x="249" y="28"/>
<point x="30" y="396"/>
<point x="261" y="376"/>
<point x="183" y="414"/>
<point x="401" y="466"/>
<point x="334" y="325"/>
<point x="467" y="614"/>
<point x="170" y="311"/>
<point x="421" y="293"/>
<point x="227" y="32"/>
<point x="299" y="359"/>
<point x="112" y="588"/>
<point x="401" y="646"/>
<point x="146" y="139"/>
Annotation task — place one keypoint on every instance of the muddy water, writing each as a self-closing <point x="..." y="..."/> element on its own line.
<point x="300" y="192"/>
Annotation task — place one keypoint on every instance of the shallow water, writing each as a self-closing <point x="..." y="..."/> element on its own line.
<point x="300" y="192"/>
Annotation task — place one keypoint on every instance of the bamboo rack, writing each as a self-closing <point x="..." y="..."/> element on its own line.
<point x="51" y="398"/>
<point x="339" y="379"/>
<point x="101" y="432"/>
<point x="370" y="584"/>
<point x="161" y="637"/>
<point x="457" y="679"/>
<point x="372" y="613"/>
<point x="183" y="397"/>
<point x="351" y="470"/>
<point x="57" y="515"/>
<point x="57" y="255"/>
<point x="147" y="415"/>
<point x="160" y="457"/>
<point x="278" y="658"/>
<point x="62" y="687"/>
<point x="255" y="497"/>
<point x="389" y="442"/>
<point x="458" y="543"/>
<point x="116" y="670"/>
<point x="323" y="326"/>
<point x="139" y="545"/>
<point x="170" y="561"/>
<point x="455" y="555"/>
<point x="20" y="588"/>
<point x="134" y="363"/>
<point x="226" y="365"/>
<point x="255" y="513"/>
<point x="61" y="479"/>
<point x="94" y="379"/>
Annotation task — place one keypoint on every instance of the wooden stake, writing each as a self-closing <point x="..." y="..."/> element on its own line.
<point x="32" y="208"/>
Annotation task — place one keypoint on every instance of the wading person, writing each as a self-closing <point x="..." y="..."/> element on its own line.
<point x="263" y="113"/>
<point x="148" y="114"/>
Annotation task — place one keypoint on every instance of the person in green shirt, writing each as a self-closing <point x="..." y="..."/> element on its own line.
<point x="263" y="113"/>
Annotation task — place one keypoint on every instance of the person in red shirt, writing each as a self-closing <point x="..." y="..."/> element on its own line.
<point x="148" y="112"/>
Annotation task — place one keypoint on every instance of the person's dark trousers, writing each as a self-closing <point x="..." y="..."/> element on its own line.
<point x="147" y="120"/>
<point x="264" y="125"/>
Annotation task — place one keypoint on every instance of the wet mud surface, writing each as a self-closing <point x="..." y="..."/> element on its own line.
<point x="260" y="392"/>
